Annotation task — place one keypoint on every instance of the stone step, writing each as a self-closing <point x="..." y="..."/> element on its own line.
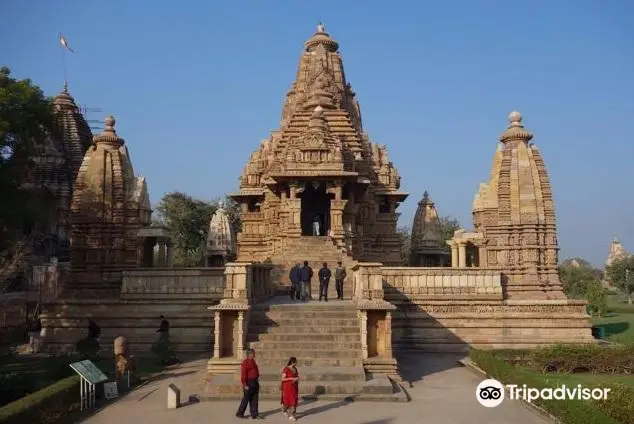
<point x="319" y="322"/>
<point x="305" y="313"/>
<point x="304" y="344"/>
<point x="303" y="329"/>
<point x="321" y="338"/>
<point x="308" y="353"/>
<point x="305" y="388"/>
<point x="317" y="374"/>
<point x="310" y="362"/>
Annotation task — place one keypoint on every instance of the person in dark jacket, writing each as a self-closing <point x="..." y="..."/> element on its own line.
<point x="309" y="289"/>
<point x="340" y="275"/>
<point x="324" y="278"/>
<point x="249" y="377"/>
<point x="94" y="331"/>
<point x="164" y="329"/>
<point x="295" y="277"/>
<point x="304" y="278"/>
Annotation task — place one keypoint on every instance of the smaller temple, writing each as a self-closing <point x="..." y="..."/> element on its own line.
<point x="428" y="248"/>
<point x="221" y="241"/>
<point x="55" y="166"/>
<point x="514" y="219"/>
<point x="110" y="205"/>
<point x="617" y="252"/>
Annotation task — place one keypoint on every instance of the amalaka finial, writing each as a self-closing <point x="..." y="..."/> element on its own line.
<point x="515" y="119"/>
<point x="321" y="27"/>
<point x="109" y="122"/>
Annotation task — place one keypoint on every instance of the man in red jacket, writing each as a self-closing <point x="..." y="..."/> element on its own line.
<point x="249" y="375"/>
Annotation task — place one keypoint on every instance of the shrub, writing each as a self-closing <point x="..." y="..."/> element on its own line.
<point x="595" y="295"/>
<point x="592" y="358"/>
<point x="44" y="406"/>
<point x="569" y="411"/>
<point x="619" y="403"/>
<point x="88" y="348"/>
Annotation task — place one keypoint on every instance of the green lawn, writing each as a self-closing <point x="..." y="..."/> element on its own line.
<point x="23" y="375"/>
<point x="619" y="322"/>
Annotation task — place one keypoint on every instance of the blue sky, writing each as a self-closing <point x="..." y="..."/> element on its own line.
<point x="196" y="85"/>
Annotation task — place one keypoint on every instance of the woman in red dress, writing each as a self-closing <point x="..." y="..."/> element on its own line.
<point x="290" y="389"/>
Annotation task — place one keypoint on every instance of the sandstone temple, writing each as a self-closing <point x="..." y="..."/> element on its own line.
<point x="317" y="189"/>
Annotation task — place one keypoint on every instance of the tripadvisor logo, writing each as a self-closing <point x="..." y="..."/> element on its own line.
<point x="490" y="393"/>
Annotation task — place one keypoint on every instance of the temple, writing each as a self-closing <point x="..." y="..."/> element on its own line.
<point x="221" y="243"/>
<point x="514" y="218"/>
<point x="617" y="252"/>
<point x="319" y="175"/>
<point x="427" y="247"/>
<point x="56" y="163"/>
<point x="318" y="190"/>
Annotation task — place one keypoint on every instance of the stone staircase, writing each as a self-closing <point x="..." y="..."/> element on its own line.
<point x="315" y="250"/>
<point x="324" y="337"/>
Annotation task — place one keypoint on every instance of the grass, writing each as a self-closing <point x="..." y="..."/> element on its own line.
<point x="43" y="390"/>
<point x="619" y="322"/>
<point x="619" y="408"/>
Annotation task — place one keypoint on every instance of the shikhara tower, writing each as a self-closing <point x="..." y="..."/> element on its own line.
<point x="320" y="166"/>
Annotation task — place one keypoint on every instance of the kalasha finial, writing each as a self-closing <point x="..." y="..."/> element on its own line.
<point x="221" y="204"/>
<point x="65" y="86"/>
<point x="109" y="123"/>
<point x="515" y="119"/>
<point x="425" y="195"/>
<point x="321" y="27"/>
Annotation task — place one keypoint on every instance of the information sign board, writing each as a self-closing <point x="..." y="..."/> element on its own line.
<point x="89" y="371"/>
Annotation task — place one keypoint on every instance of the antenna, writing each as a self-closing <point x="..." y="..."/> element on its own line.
<point x="94" y="124"/>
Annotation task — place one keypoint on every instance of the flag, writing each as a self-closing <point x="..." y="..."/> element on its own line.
<point x="64" y="42"/>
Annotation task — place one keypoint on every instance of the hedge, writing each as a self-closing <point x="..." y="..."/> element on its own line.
<point x="569" y="411"/>
<point x="45" y="406"/>
<point x="593" y="358"/>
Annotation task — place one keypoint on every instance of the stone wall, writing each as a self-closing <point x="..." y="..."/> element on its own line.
<point x="182" y="295"/>
<point x="450" y="309"/>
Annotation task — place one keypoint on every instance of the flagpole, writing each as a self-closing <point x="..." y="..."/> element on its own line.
<point x="61" y="50"/>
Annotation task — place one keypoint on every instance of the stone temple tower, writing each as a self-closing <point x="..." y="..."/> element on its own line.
<point x="110" y="204"/>
<point x="514" y="218"/>
<point x="221" y="242"/>
<point x="56" y="163"/>
<point x="427" y="246"/>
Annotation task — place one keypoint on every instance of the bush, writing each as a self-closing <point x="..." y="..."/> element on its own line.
<point x="592" y="358"/>
<point x="88" y="348"/>
<point x="44" y="406"/>
<point x="619" y="403"/>
<point x="597" y="302"/>
<point x="570" y="411"/>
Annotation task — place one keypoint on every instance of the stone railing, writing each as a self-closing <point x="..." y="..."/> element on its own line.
<point x="173" y="283"/>
<point x="247" y="283"/>
<point x="441" y="283"/>
<point x="367" y="281"/>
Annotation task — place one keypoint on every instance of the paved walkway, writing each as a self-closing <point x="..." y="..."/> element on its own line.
<point x="441" y="391"/>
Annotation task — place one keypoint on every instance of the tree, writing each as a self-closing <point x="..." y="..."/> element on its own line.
<point x="26" y="120"/>
<point x="188" y="220"/>
<point x="621" y="275"/>
<point x="405" y="237"/>
<point x="576" y="277"/>
<point x="448" y="226"/>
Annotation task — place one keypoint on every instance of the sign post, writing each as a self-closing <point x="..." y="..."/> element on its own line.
<point x="90" y="376"/>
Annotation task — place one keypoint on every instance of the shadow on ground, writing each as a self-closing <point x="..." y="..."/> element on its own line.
<point x="614" y="327"/>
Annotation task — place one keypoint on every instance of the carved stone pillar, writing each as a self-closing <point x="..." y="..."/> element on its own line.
<point x="482" y="256"/>
<point x="217" y="335"/>
<point x="388" y="334"/>
<point x="462" y="255"/>
<point x="454" y="255"/>
<point x="162" y="256"/>
<point x="170" y="254"/>
<point x="336" y="217"/>
<point x="240" y="339"/>
<point x="363" y="322"/>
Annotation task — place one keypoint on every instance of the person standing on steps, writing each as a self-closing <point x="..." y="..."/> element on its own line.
<point x="304" y="279"/>
<point x="340" y="275"/>
<point x="249" y="377"/>
<point x="324" y="278"/>
<point x="290" y="389"/>
<point x="309" y="290"/>
<point x="295" y="277"/>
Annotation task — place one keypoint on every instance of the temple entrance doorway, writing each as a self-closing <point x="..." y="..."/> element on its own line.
<point x="315" y="214"/>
